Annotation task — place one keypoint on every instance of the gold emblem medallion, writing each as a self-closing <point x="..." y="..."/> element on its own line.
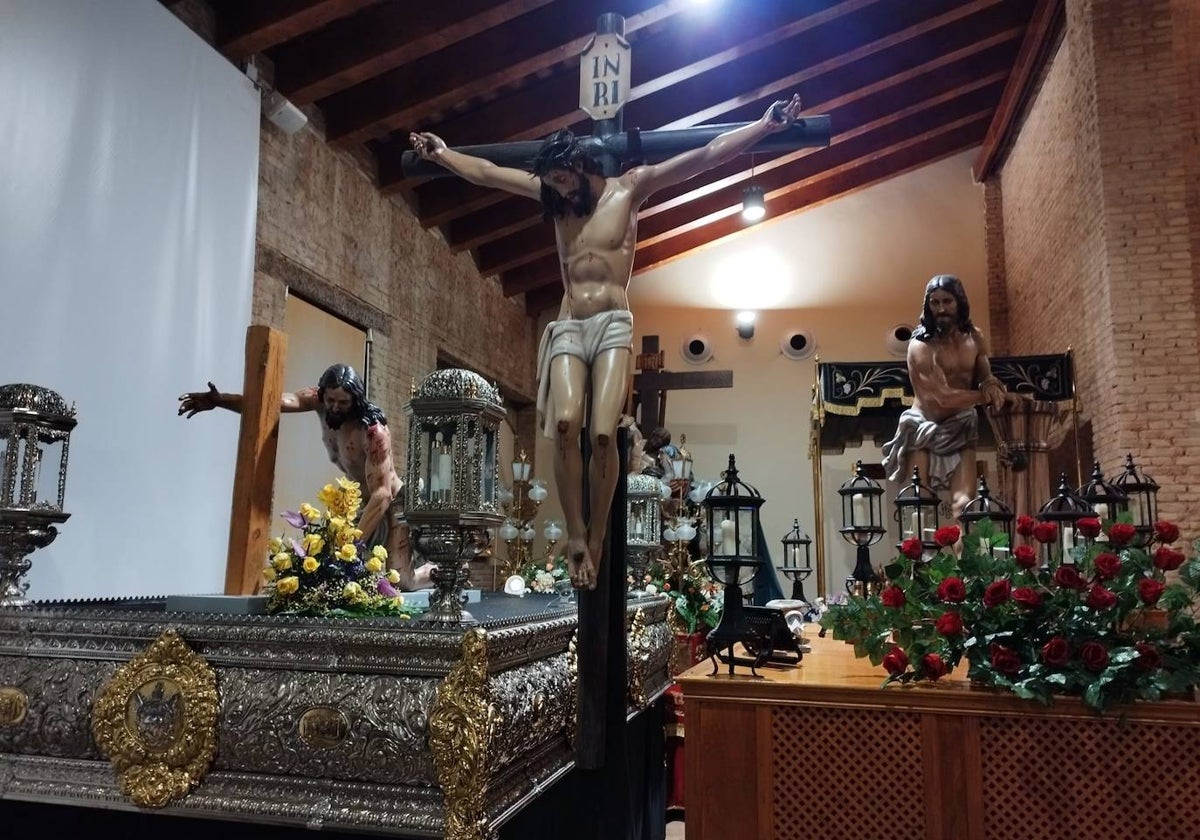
<point x="13" y="705"/>
<point x="156" y="720"/>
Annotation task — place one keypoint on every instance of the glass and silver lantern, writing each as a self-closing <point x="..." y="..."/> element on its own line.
<point x="35" y="426"/>
<point x="452" y="479"/>
<point x="643" y="526"/>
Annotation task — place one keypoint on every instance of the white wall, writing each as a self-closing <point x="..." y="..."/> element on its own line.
<point x="128" y="159"/>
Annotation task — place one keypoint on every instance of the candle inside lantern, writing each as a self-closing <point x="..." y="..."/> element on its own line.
<point x="1101" y="511"/>
<point x="728" y="541"/>
<point x="1068" y="537"/>
<point x="859" y="504"/>
<point x="444" y="472"/>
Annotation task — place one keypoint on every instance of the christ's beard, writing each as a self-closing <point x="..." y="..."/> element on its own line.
<point x="334" y="420"/>
<point x="582" y="201"/>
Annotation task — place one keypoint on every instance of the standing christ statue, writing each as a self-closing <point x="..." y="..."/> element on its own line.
<point x="595" y="220"/>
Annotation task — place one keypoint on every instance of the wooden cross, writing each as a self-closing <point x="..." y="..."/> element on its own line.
<point x="254" y="477"/>
<point x="650" y="387"/>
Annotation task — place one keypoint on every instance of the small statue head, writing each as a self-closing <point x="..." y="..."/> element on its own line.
<point x="343" y="396"/>
<point x="563" y="167"/>
<point x="929" y="325"/>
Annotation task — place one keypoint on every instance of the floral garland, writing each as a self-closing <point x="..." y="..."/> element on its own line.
<point x="327" y="570"/>
<point x="1104" y="623"/>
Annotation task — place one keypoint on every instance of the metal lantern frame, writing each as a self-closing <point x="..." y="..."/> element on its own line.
<point x="917" y="507"/>
<point x="643" y="527"/>
<point x="985" y="506"/>
<point x="1141" y="493"/>
<point x="1108" y="501"/>
<point x="797" y="560"/>
<point x="681" y="463"/>
<point x="33" y="422"/>
<point x="466" y="411"/>
<point x="733" y="503"/>
<point x="1064" y="509"/>
<point x="862" y="529"/>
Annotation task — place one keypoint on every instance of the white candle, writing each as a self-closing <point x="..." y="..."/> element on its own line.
<point x="859" y="503"/>
<point x="444" y="472"/>
<point x="1068" y="537"/>
<point x="1101" y="510"/>
<point x="915" y="524"/>
<point x="985" y="545"/>
<point x="728" y="543"/>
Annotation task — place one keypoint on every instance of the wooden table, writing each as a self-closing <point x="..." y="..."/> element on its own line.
<point x="819" y="752"/>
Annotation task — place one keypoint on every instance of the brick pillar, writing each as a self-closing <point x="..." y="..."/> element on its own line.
<point x="993" y="228"/>
<point x="1146" y="118"/>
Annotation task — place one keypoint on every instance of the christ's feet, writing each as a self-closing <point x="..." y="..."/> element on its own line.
<point x="579" y="564"/>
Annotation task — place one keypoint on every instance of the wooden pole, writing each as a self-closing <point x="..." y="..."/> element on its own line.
<point x="253" y="483"/>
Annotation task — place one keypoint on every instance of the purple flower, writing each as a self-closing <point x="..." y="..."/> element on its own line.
<point x="293" y="518"/>
<point x="386" y="589"/>
<point x="298" y="548"/>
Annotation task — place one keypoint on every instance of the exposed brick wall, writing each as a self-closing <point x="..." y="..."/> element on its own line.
<point x="1100" y="230"/>
<point x="997" y="285"/>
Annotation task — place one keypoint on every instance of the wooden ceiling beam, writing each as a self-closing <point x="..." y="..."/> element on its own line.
<point x="979" y="64"/>
<point x="874" y="169"/>
<point x="967" y="23"/>
<point x="1041" y="35"/>
<point x="414" y="94"/>
<point x="244" y="27"/>
<point x="360" y="48"/>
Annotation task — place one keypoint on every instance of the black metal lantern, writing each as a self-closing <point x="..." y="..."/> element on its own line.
<point x="1064" y="510"/>
<point x="797" y="563"/>
<point x="917" y="513"/>
<point x="982" y="507"/>
<point x="1107" y="500"/>
<point x="1141" y="494"/>
<point x="731" y="511"/>
<point x="862" y="527"/>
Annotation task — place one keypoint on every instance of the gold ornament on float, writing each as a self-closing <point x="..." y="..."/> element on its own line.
<point x="156" y="720"/>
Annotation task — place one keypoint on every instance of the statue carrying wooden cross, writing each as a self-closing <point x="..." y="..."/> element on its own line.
<point x="585" y="353"/>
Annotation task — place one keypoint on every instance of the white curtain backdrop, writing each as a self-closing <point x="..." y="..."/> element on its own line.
<point x="128" y="187"/>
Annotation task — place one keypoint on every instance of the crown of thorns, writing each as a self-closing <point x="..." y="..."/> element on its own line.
<point x="559" y="151"/>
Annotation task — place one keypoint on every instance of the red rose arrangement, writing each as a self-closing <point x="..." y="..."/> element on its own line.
<point x="1112" y="623"/>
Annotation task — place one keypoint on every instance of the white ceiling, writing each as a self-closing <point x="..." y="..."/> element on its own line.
<point x="874" y="246"/>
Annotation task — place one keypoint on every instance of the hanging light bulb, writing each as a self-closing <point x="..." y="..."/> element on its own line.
<point x="754" y="203"/>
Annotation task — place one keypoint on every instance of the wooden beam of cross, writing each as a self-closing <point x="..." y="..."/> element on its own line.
<point x="650" y="387"/>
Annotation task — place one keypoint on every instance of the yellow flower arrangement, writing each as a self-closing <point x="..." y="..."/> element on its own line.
<point x="324" y="570"/>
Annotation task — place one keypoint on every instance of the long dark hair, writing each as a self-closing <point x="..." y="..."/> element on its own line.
<point x="927" y="328"/>
<point x="345" y="377"/>
<point x="561" y="150"/>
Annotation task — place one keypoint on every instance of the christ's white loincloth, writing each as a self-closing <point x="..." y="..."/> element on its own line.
<point x="584" y="339"/>
<point x="944" y="441"/>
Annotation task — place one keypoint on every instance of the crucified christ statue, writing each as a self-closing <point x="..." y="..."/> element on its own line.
<point x="585" y="353"/>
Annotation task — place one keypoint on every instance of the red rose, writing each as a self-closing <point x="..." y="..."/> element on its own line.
<point x="1088" y="527"/>
<point x="1026" y="597"/>
<point x="1056" y="652"/>
<point x="1166" y="532"/>
<point x="952" y="590"/>
<point x="1150" y="590"/>
<point x="1025" y="525"/>
<point x="1068" y="577"/>
<point x="1108" y="565"/>
<point x="893" y="596"/>
<point x="1094" y="656"/>
<point x="1045" y="532"/>
<point x="1004" y="660"/>
<point x="934" y="666"/>
<point x="1148" y="657"/>
<point x="1100" y="598"/>
<point x="1167" y="559"/>
<point x="1025" y="556"/>
<point x="950" y="623"/>
<point x="895" y="662"/>
<point x="1121" y="533"/>
<point x="946" y="535"/>
<point x="912" y="548"/>
<point x="997" y="593"/>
